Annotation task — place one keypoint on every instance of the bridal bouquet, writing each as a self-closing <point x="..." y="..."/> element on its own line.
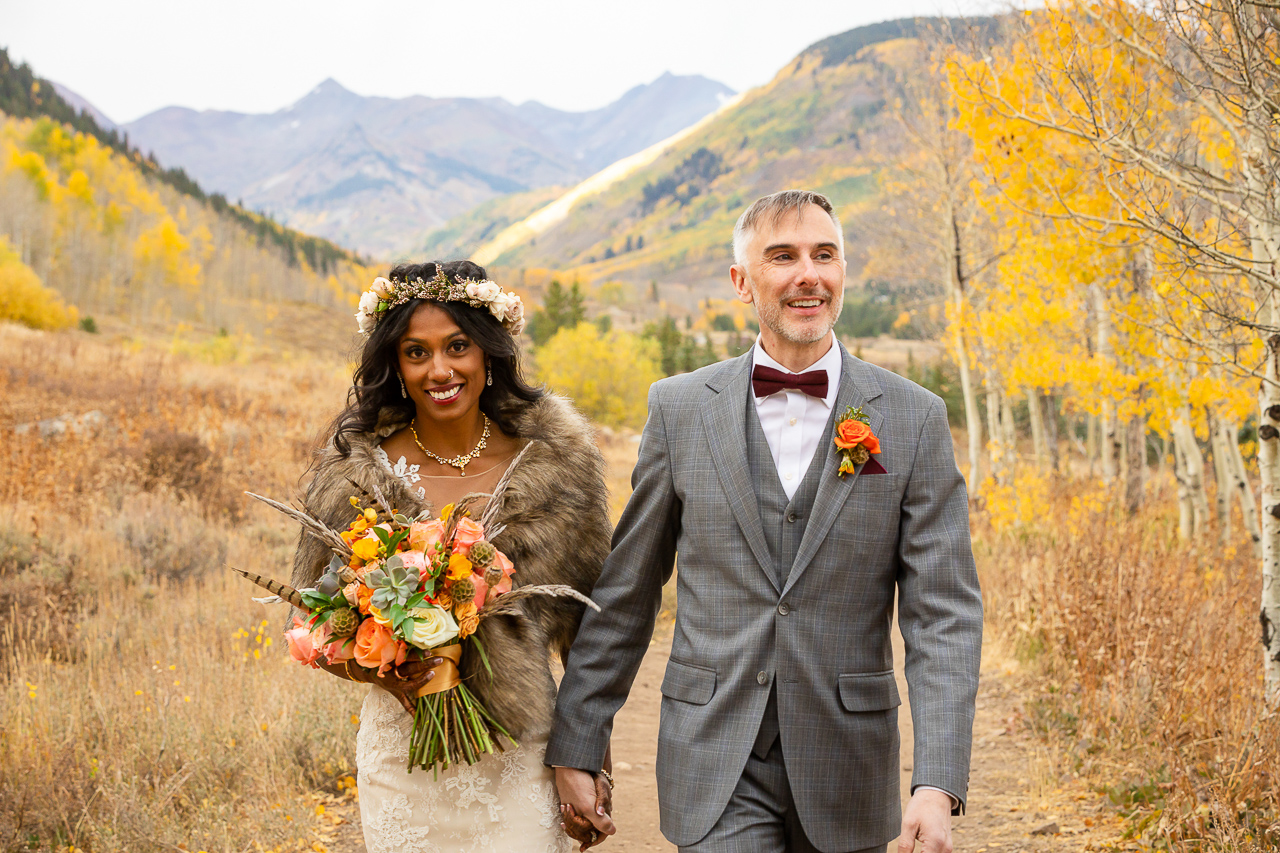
<point x="400" y="589"/>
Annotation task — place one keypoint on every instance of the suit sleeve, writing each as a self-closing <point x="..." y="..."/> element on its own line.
<point x="611" y="643"/>
<point x="939" y="611"/>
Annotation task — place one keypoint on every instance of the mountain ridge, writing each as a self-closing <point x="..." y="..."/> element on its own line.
<point x="450" y="154"/>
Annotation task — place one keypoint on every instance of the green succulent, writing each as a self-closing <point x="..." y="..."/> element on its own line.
<point x="392" y="584"/>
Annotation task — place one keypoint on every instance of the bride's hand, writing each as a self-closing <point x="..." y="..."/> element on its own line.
<point x="405" y="680"/>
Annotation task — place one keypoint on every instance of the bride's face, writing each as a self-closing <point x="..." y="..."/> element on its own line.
<point x="443" y="369"/>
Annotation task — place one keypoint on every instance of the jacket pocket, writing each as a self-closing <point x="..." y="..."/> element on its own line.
<point x="869" y="691"/>
<point x="688" y="683"/>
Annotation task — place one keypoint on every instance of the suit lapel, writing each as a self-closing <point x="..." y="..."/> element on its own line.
<point x="857" y="388"/>
<point x="725" y="421"/>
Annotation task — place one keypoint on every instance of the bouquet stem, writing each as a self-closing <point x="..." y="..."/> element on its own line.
<point x="452" y="727"/>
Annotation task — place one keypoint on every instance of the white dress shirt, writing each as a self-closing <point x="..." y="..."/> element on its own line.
<point x="793" y="422"/>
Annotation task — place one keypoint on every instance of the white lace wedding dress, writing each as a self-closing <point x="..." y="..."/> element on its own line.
<point x="505" y="803"/>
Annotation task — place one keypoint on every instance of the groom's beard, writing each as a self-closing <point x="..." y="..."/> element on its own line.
<point x="773" y="315"/>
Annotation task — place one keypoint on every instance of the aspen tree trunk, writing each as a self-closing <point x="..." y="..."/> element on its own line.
<point x="1037" y="428"/>
<point x="1136" y="463"/>
<point x="1049" y="417"/>
<point x="1185" y="515"/>
<point x="955" y="287"/>
<point x="1241" y="487"/>
<point x="1269" y="469"/>
<point x="1193" y="464"/>
<point x="1107" y="427"/>
<point x="1222" y="477"/>
<point x="1091" y="442"/>
<point x="1009" y="429"/>
<point x="996" y="450"/>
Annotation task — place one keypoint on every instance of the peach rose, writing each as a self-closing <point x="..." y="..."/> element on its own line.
<point x="377" y="648"/>
<point x="424" y="535"/>
<point x="415" y="560"/>
<point x="340" y="650"/>
<point x="304" y="647"/>
<point x="467" y="534"/>
<point x="504" y="585"/>
<point x="851" y="433"/>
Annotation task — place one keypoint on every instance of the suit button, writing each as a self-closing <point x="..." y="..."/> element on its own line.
<point x="791" y="516"/>
<point x="762" y="678"/>
<point x="783" y="609"/>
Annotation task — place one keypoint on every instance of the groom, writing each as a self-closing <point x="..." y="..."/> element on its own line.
<point x="779" y="722"/>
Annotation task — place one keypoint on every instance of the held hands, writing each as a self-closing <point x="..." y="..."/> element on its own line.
<point x="927" y="818"/>
<point x="586" y="804"/>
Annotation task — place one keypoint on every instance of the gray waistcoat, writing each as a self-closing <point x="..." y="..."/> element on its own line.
<point x="784" y="522"/>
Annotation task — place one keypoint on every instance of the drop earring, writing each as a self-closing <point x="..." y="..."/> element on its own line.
<point x="488" y="374"/>
<point x="404" y="392"/>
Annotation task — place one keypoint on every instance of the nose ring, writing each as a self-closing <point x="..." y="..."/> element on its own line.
<point x="450" y="374"/>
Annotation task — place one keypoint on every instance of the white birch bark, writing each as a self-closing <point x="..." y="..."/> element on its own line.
<point x="1135" y="462"/>
<point x="1185" y="515"/>
<point x="1010" y="431"/>
<point x="1223" y="480"/>
<point x="1037" y="428"/>
<point x="1110" y="442"/>
<point x="1269" y="470"/>
<point x="1193" y="470"/>
<point x="1241" y="487"/>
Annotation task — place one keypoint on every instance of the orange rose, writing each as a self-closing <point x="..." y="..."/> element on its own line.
<point x="850" y="433"/>
<point x="377" y="648"/>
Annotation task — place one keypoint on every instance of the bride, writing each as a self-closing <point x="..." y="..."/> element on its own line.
<point x="438" y="409"/>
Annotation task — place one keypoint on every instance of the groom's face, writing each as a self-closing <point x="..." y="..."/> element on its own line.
<point x="794" y="275"/>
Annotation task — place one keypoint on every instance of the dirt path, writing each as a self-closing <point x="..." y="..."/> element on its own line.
<point x="1016" y="803"/>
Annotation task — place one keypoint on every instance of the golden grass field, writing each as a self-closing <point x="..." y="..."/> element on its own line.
<point x="148" y="703"/>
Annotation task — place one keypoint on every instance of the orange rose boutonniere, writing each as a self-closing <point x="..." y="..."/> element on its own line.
<point x="855" y="439"/>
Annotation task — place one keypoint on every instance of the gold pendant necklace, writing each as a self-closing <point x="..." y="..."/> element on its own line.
<point x="459" y="462"/>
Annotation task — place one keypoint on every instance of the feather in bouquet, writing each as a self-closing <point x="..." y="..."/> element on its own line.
<point x="401" y="589"/>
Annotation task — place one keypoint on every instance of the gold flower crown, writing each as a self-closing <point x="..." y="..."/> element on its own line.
<point x="385" y="294"/>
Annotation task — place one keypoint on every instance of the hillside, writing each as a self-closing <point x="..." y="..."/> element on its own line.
<point x="379" y="173"/>
<point x="664" y="228"/>
<point x="131" y="245"/>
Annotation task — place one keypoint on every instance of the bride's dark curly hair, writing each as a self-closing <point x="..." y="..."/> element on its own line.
<point x="376" y="385"/>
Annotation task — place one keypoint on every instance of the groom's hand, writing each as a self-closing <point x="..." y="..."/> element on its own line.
<point x="578" y="789"/>
<point x="927" y="818"/>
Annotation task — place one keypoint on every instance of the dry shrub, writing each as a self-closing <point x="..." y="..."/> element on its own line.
<point x="1150" y="660"/>
<point x="146" y="702"/>
<point x="169" y="541"/>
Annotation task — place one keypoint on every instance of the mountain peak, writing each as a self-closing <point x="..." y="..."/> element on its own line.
<point x="330" y="89"/>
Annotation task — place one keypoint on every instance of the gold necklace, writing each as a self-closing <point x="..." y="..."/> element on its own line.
<point x="459" y="462"/>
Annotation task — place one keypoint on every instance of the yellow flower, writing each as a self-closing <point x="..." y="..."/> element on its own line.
<point x="366" y="549"/>
<point x="459" y="567"/>
<point x="446" y="512"/>
<point x="371" y="516"/>
<point x="359" y="525"/>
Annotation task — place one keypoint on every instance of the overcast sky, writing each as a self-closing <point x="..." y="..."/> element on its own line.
<point x="130" y="57"/>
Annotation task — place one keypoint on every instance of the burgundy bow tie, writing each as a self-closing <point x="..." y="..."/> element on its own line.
<point x="766" y="381"/>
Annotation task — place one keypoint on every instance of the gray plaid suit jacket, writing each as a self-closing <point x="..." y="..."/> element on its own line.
<point x="822" y="638"/>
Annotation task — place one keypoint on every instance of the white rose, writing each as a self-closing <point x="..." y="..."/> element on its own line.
<point x="515" y="316"/>
<point x="433" y="626"/>
<point x="369" y="302"/>
<point x="473" y="289"/>
<point x="366" y="321"/>
<point x="488" y="290"/>
<point x="382" y="287"/>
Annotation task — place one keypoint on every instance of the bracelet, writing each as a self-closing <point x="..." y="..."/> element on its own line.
<point x="608" y="777"/>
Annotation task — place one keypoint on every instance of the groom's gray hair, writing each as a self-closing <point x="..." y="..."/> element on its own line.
<point x="772" y="208"/>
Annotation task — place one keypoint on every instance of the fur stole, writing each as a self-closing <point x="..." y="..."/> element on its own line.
<point x="556" y="513"/>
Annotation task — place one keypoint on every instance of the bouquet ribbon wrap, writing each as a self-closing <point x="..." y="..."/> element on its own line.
<point x="447" y="674"/>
